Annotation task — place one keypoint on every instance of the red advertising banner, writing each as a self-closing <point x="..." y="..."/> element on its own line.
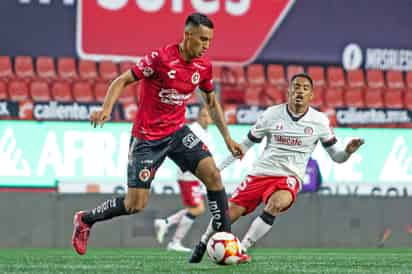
<point x="126" y="29"/>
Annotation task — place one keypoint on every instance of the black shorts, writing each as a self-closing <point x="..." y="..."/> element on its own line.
<point x="145" y="157"/>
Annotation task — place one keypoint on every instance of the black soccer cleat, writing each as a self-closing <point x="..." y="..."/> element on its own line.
<point x="197" y="253"/>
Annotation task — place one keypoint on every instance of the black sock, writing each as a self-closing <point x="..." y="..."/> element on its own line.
<point x="107" y="210"/>
<point x="218" y="206"/>
<point x="267" y="217"/>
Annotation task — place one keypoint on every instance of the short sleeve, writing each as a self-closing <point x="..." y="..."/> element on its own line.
<point x="206" y="85"/>
<point x="327" y="136"/>
<point x="259" y="129"/>
<point x="147" y="66"/>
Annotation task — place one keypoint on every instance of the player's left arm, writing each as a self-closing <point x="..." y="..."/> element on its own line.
<point x="216" y="112"/>
<point x="338" y="152"/>
<point x="341" y="154"/>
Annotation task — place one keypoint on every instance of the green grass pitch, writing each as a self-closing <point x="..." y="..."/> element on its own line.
<point x="139" y="260"/>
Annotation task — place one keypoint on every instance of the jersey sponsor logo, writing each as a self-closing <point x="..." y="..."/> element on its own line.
<point x="195" y="78"/>
<point x="190" y="140"/>
<point x="291" y="182"/>
<point x="199" y="66"/>
<point x="144" y="174"/>
<point x="111" y="16"/>
<point x="148" y="71"/>
<point x="172" y="74"/>
<point x="172" y="97"/>
<point x="308" y="130"/>
<point x="287" y="140"/>
<point x="174" y="62"/>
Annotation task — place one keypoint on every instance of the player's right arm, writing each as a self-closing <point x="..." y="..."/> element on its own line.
<point x="145" y="68"/>
<point x="115" y="90"/>
<point x="255" y="135"/>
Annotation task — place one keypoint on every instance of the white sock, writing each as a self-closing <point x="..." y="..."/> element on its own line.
<point x="175" y="218"/>
<point x="183" y="227"/>
<point x="208" y="233"/>
<point x="257" y="230"/>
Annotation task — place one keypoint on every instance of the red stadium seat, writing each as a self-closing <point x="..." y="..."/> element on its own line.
<point x="292" y="70"/>
<point x="100" y="90"/>
<point x="217" y="74"/>
<point x="318" y="75"/>
<point x="253" y="95"/>
<point x="128" y="94"/>
<point x="108" y="70"/>
<point x="87" y="70"/>
<point x="6" y="70"/>
<point x="256" y="75"/>
<point x="82" y="91"/>
<point x="409" y="79"/>
<point x="354" y="97"/>
<point x="39" y="90"/>
<point x="276" y="94"/>
<point x="18" y="90"/>
<point x="45" y="67"/>
<point x="23" y="66"/>
<point x="393" y="98"/>
<point x="66" y="68"/>
<point x="374" y="98"/>
<point x="61" y="91"/>
<point x="375" y="78"/>
<point x="336" y="77"/>
<point x="276" y="75"/>
<point x="228" y="76"/>
<point x="317" y="100"/>
<point x="334" y="98"/>
<point x="394" y="79"/>
<point x="232" y="95"/>
<point x="3" y="91"/>
<point x="239" y="74"/>
<point x="356" y="78"/>
<point x="408" y="99"/>
<point x="125" y="66"/>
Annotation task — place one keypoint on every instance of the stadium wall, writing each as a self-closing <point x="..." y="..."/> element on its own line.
<point x="45" y="220"/>
<point x="319" y="23"/>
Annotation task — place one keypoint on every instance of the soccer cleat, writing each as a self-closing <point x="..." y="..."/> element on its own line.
<point x="81" y="232"/>
<point x="160" y="229"/>
<point x="197" y="253"/>
<point x="244" y="259"/>
<point x="177" y="246"/>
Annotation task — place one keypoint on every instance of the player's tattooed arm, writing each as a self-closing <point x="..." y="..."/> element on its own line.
<point x="216" y="112"/>
<point x="116" y="88"/>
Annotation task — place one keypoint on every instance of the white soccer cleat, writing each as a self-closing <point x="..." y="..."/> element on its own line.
<point x="160" y="229"/>
<point x="177" y="246"/>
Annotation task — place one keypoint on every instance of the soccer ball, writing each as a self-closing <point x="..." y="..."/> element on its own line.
<point x="224" y="248"/>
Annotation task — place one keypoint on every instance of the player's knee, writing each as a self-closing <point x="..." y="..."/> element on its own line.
<point x="275" y="206"/>
<point x="214" y="178"/>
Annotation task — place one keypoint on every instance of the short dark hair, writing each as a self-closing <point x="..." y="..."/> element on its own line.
<point x="303" y="75"/>
<point x="197" y="19"/>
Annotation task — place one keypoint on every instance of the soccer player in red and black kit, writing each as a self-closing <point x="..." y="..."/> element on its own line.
<point x="169" y="77"/>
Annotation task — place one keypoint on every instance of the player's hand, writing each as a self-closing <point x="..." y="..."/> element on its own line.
<point x="99" y="117"/>
<point x="353" y="145"/>
<point x="235" y="148"/>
